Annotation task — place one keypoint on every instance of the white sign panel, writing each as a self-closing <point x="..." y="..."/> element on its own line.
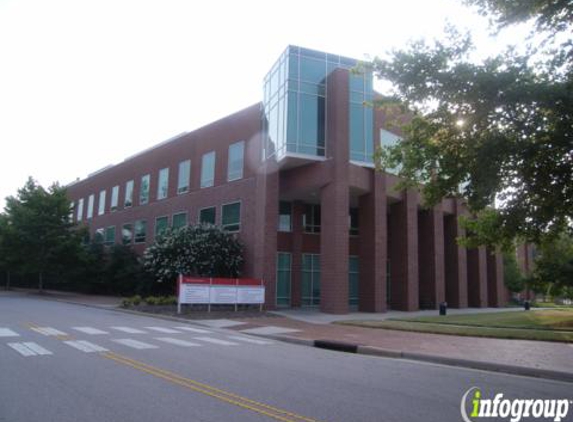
<point x="194" y="293"/>
<point x="251" y="295"/>
<point x="221" y="295"/>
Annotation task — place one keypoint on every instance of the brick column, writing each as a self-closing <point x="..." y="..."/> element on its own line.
<point x="455" y="261"/>
<point x="403" y="252"/>
<point x="296" y="263"/>
<point x="477" y="277"/>
<point x="267" y="208"/>
<point x="372" y="218"/>
<point x="334" y="198"/>
<point x="431" y="257"/>
<point x="495" y="286"/>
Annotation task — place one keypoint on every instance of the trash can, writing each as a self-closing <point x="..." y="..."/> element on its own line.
<point x="443" y="308"/>
<point x="526" y="305"/>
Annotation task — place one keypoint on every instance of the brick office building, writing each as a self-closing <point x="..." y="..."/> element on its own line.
<point x="294" y="177"/>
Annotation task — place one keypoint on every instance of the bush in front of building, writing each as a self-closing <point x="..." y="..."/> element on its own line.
<point x="202" y="250"/>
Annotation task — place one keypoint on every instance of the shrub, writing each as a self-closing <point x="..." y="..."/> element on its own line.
<point x="202" y="250"/>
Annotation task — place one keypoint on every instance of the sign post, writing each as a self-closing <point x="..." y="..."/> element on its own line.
<point x="179" y="290"/>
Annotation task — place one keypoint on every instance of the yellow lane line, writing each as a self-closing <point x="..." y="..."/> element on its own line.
<point x="246" y="403"/>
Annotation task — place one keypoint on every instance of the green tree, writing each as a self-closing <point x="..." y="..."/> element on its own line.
<point x="39" y="231"/>
<point x="495" y="130"/>
<point x="553" y="272"/>
<point x="202" y="250"/>
<point x="512" y="277"/>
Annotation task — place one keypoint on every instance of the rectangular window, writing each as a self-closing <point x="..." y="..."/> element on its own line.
<point x="99" y="235"/>
<point x="236" y="158"/>
<point x="208" y="169"/>
<point x="231" y="217"/>
<point x="80" y="214"/>
<point x="353" y="221"/>
<point x="114" y="198"/>
<point x="91" y="200"/>
<point x="127" y="234"/>
<point x="207" y="215"/>
<point x="353" y="277"/>
<point x="311" y="218"/>
<point x="163" y="183"/>
<point x="110" y="235"/>
<point x="310" y="279"/>
<point x="144" y="190"/>
<point x="140" y="230"/>
<point x="128" y="202"/>
<point x="161" y="225"/>
<point x="101" y="203"/>
<point x="285" y="216"/>
<point x="184" y="176"/>
<point x="283" y="279"/>
<point x="179" y="220"/>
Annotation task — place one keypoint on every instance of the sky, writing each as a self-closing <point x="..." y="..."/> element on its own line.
<point x="85" y="84"/>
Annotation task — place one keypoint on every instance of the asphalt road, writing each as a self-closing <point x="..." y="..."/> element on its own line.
<point x="61" y="362"/>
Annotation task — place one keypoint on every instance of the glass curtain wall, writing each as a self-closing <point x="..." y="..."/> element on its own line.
<point x="294" y="103"/>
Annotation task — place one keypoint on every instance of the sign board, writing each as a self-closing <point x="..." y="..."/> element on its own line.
<point x="220" y="291"/>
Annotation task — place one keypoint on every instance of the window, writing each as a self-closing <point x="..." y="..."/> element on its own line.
<point x="161" y="225"/>
<point x="144" y="190"/>
<point x="310" y="279"/>
<point x="183" y="177"/>
<point x="207" y="215"/>
<point x="236" y="158"/>
<point x="114" y="198"/>
<point x="163" y="183"/>
<point x="285" y="216"/>
<point x="388" y="139"/>
<point x="99" y="235"/>
<point x="208" y="170"/>
<point x="80" y="210"/>
<point x="110" y="235"/>
<point x="128" y="202"/>
<point x="91" y="206"/>
<point x="179" y="220"/>
<point x="353" y="221"/>
<point x="127" y="234"/>
<point x="231" y="217"/>
<point x="311" y="218"/>
<point x="140" y="231"/>
<point x="353" y="277"/>
<point x="283" y="279"/>
<point x="101" y="203"/>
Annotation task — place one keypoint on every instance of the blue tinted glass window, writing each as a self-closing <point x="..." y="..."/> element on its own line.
<point x="293" y="67"/>
<point x="312" y="70"/>
<point x="308" y="119"/>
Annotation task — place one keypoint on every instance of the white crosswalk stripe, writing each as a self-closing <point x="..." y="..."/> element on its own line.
<point x="194" y="330"/>
<point x="216" y="341"/>
<point x="29" y="349"/>
<point x="164" y="330"/>
<point x="86" y="346"/>
<point x="129" y="330"/>
<point x="135" y="343"/>
<point x="90" y="330"/>
<point x="250" y="340"/>
<point x="48" y="331"/>
<point x="177" y="342"/>
<point x="6" y="332"/>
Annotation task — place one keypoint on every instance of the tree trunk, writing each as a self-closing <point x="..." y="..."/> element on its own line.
<point x="40" y="282"/>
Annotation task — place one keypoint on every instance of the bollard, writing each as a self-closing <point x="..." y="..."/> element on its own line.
<point x="526" y="305"/>
<point x="443" y="308"/>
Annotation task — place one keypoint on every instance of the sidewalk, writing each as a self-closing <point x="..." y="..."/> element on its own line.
<point x="535" y="358"/>
<point x="312" y="328"/>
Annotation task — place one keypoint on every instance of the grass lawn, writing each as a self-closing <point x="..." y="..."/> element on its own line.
<point x="547" y="324"/>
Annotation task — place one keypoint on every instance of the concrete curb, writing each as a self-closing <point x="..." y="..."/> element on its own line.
<point x="422" y="357"/>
